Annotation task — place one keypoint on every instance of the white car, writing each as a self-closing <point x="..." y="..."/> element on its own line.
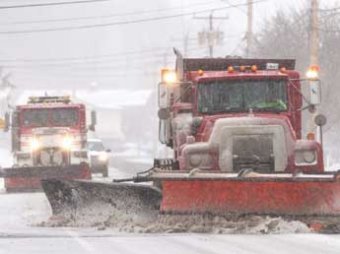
<point x="98" y="156"/>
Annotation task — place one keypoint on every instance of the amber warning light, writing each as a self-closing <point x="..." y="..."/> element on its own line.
<point x="168" y="76"/>
<point x="313" y="72"/>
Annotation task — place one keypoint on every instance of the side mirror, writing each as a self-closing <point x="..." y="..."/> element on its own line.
<point x="320" y="120"/>
<point x="315" y="92"/>
<point x="164" y="113"/>
<point x="163" y="96"/>
<point x="108" y="150"/>
<point x="7" y="122"/>
<point x="93" y="124"/>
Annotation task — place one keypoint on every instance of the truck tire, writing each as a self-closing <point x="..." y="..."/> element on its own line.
<point x="106" y="171"/>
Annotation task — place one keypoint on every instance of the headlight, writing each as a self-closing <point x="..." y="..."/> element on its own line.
<point x="309" y="156"/>
<point x="201" y="160"/>
<point x="195" y="160"/>
<point x="34" y="144"/>
<point x="305" y="157"/>
<point x="103" y="157"/>
<point x="67" y="142"/>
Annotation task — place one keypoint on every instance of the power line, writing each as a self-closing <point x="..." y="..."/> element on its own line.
<point x="94" y="64"/>
<point x="113" y="67"/>
<point x="50" y="4"/>
<point x="82" y="65"/>
<point x="88" y="75"/>
<point x="133" y="55"/>
<point x="329" y="14"/>
<point x="212" y="36"/>
<point x="328" y="30"/>
<point x="112" y="15"/>
<point x="69" y="28"/>
<point x="156" y="50"/>
<point x="238" y="8"/>
<point x="329" y="10"/>
<point x="89" y="71"/>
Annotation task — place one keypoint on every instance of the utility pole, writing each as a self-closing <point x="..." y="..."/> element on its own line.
<point x="211" y="29"/>
<point x="314" y="57"/>
<point x="314" y="33"/>
<point x="211" y="37"/>
<point x="249" y="34"/>
<point x="185" y="42"/>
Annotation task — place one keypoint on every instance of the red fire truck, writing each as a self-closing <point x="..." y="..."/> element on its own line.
<point x="49" y="136"/>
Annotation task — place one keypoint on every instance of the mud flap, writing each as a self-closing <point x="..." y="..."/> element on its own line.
<point x="80" y="196"/>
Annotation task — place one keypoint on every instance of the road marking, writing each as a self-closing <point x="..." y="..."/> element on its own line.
<point x="84" y="244"/>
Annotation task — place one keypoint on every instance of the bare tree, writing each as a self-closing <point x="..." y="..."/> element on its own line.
<point x="286" y="35"/>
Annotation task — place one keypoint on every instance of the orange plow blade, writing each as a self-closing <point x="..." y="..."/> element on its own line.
<point x="264" y="194"/>
<point x="211" y="193"/>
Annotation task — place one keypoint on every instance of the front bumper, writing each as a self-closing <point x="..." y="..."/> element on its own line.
<point x="97" y="165"/>
<point x="28" y="178"/>
<point x="99" y="168"/>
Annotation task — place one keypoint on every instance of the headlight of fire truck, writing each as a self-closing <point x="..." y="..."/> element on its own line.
<point x="67" y="142"/>
<point x="35" y="144"/>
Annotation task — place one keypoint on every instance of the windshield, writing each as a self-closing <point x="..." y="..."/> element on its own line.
<point x="95" y="146"/>
<point x="35" y="117"/>
<point x="64" y="117"/>
<point x="242" y="95"/>
<point x="50" y="117"/>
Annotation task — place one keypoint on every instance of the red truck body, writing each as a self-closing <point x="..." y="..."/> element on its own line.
<point x="235" y="129"/>
<point x="48" y="141"/>
<point x="186" y="101"/>
<point x="250" y="159"/>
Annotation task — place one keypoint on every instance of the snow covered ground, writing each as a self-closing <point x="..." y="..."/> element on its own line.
<point x="4" y="155"/>
<point x="21" y="214"/>
<point x="73" y="242"/>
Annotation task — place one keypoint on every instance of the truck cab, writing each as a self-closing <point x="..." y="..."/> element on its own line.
<point x="223" y="114"/>
<point x="49" y="131"/>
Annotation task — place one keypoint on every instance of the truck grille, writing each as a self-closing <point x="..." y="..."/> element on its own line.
<point x="50" y="156"/>
<point x="253" y="151"/>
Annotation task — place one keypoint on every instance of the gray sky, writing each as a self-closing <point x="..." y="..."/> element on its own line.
<point x="117" y="56"/>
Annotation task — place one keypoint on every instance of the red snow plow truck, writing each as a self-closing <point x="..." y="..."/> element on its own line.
<point x="48" y="141"/>
<point x="235" y="128"/>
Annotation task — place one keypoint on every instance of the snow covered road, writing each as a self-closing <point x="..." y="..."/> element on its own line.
<point x="75" y="242"/>
<point x="21" y="213"/>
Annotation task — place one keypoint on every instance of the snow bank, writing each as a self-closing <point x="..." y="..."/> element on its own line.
<point x="158" y="223"/>
<point x="5" y="158"/>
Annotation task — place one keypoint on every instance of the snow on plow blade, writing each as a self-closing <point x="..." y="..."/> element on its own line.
<point x="90" y="197"/>
<point x="263" y="194"/>
<point x="29" y="178"/>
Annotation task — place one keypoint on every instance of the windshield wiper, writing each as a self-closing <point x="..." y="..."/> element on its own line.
<point x="268" y="109"/>
<point x="229" y="110"/>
